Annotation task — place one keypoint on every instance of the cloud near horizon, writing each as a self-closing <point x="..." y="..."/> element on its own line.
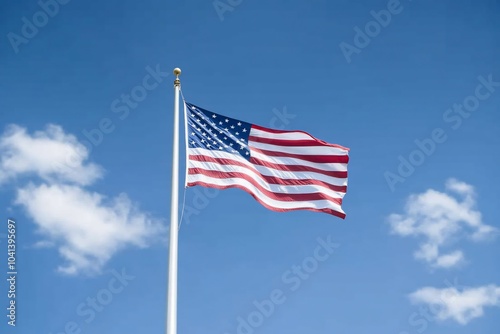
<point x="460" y="306"/>
<point x="86" y="227"/>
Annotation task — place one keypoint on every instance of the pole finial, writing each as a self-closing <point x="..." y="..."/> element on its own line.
<point x="177" y="72"/>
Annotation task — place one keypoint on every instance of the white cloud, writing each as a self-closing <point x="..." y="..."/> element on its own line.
<point x="461" y="306"/>
<point x="51" y="155"/>
<point x="450" y="260"/>
<point x="441" y="219"/>
<point x="88" y="228"/>
<point x="459" y="187"/>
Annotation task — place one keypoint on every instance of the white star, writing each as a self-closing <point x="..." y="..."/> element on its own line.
<point x="208" y="145"/>
<point x="239" y="123"/>
<point x="203" y="140"/>
<point x="226" y="129"/>
<point x="234" y="151"/>
<point x="237" y="133"/>
<point x="215" y="142"/>
<point x="247" y="153"/>
<point x="193" y="142"/>
<point x="220" y="122"/>
<point x="227" y="120"/>
<point x="210" y="130"/>
<point x="242" y="147"/>
<point x="244" y="130"/>
<point x="214" y="116"/>
<point x="232" y="126"/>
<point x="225" y="138"/>
<point x="204" y="134"/>
<point x="193" y="107"/>
<point x="193" y="134"/>
<point x="215" y="135"/>
<point x="220" y="147"/>
<point x="231" y="144"/>
<point x="193" y="115"/>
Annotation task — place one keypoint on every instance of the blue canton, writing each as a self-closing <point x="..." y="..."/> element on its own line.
<point x="216" y="132"/>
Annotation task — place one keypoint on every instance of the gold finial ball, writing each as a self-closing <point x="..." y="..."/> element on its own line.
<point x="177" y="71"/>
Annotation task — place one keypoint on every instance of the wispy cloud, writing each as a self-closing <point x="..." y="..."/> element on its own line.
<point x="86" y="227"/>
<point x="440" y="219"/>
<point x="460" y="306"/>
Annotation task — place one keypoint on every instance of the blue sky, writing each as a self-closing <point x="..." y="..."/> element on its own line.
<point x="418" y="250"/>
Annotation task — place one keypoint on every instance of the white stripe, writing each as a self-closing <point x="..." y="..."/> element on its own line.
<point x="275" y="188"/>
<point x="272" y="171"/>
<point x="292" y="135"/>
<point x="303" y="150"/>
<point x="319" y="204"/>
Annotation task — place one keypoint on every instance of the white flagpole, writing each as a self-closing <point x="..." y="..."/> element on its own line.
<point x="171" y="327"/>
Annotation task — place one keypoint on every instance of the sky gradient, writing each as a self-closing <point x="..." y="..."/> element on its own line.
<point x="411" y="87"/>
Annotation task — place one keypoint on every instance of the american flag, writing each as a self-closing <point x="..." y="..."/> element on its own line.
<point x="282" y="170"/>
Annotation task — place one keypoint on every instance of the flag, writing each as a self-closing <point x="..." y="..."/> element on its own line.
<point x="282" y="170"/>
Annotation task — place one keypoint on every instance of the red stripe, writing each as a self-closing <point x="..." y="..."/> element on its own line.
<point x="208" y="185"/>
<point x="258" y="127"/>
<point x="276" y="196"/>
<point x="282" y="167"/>
<point x="299" y="168"/>
<point x="276" y="180"/>
<point x="312" y="158"/>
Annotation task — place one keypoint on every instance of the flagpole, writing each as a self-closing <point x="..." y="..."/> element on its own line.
<point x="171" y="325"/>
